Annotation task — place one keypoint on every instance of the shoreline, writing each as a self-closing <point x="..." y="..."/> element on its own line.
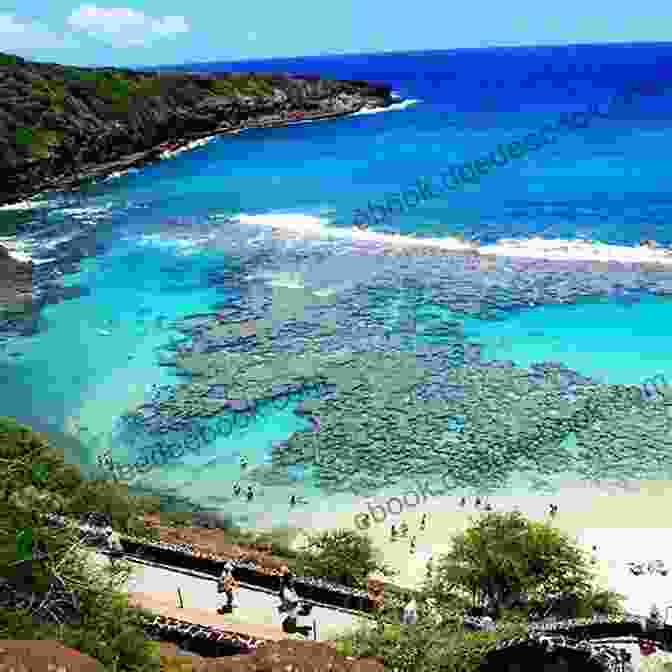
<point x="625" y="524"/>
<point x="139" y="159"/>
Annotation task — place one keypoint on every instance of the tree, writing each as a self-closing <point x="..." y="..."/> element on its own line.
<point x="506" y="560"/>
<point x="425" y="646"/>
<point x="48" y="587"/>
<point x="342" y="556"/>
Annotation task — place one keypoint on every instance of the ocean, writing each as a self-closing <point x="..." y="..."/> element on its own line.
<point x="263" y="220"/>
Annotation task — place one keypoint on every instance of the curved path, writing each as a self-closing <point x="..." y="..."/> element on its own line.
<point x="154" y="587"/>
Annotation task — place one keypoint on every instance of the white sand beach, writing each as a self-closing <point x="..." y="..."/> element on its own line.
<point x="625" y="526"/>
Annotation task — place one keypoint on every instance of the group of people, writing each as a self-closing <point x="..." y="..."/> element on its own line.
<point x="403" y="531"/>
<point x="652" y="567"/>
<point x="289" y="600"/>
<point x="477" y="503"/>
<point x="237" y="491"/>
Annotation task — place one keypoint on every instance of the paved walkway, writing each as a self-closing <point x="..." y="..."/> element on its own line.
<point x="156" y="588"/>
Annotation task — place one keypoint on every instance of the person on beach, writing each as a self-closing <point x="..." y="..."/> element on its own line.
<point x="430" y="567"/>
<point x="488" y="507"/>
<point x="393" y="533"/>
<point x="423" y="522"/>
<point x="403" y="528"/>
<point x="412" y="549"/>
<point x="236" y="489"/>
<point x="478" y="502"/>
<point x="463" y="501"/>
<point x="410" y="613"/>
<point x="250" y="494"/>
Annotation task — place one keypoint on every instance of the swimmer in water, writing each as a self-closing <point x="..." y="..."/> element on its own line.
<point x="250" y="494"/>
<point x="243" y="463"/>
<point x="292" y="500"/>
<point x="236" y="489"/>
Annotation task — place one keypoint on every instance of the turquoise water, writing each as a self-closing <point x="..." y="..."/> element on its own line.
<point x="183" y="237"/>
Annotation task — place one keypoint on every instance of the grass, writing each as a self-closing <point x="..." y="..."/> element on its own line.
<point x="55" y="91"/>
<point x="38" y="140"/>
<point x="241" y="84"/>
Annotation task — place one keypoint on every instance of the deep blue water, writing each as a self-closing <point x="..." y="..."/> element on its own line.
<point x="607" y="182"/>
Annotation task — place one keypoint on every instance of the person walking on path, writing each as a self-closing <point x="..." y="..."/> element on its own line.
<point x="227" y="584"/>
<point x="410" y="613"/>
<point x="114" y="547"/>
<point x="288" y="596"/>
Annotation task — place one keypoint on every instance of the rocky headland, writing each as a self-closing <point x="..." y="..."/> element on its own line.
<point x="61" y="124"/>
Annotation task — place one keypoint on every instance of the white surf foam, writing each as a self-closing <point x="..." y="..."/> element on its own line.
<point x="311" y="227"/>
<point x="303" y="226"/>
<point x="390" y="108"/>
<point x="21" y="251"/>
<point x="25" y="205"/>
<point x="169" y="154"/>
<point x="577" y="250"/>
<point x="120" y="173"/>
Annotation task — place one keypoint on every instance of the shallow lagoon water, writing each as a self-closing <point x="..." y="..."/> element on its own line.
<point x="242" y="222"/>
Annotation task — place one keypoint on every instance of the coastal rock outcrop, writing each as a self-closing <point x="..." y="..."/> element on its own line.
<point x="58" y="122"/>
<point x="16" y="285"/>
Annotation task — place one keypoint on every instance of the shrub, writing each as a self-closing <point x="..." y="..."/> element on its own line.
<point x="32" y="476"/>
<point x="9" y="59"/>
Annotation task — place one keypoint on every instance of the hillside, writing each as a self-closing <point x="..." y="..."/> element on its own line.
<point x="58" y="122"/>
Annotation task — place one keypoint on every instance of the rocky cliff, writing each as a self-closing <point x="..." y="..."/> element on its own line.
<point x="58" y="121"/>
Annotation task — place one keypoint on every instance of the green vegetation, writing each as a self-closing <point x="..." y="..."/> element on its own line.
<point x="38" y="140"/>
<point x="247" y="85"/>
<point x="507" y="561"/>
<point x="9" y="59"/>
<point x="55" y="91"/>
<point x="34" y="479"/>
<point x="426" y="646"/>
<point x="342" y="556"/>
<point x="516" y="568"/>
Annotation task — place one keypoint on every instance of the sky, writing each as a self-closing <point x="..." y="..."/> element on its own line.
<point x="167" y="32"/>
